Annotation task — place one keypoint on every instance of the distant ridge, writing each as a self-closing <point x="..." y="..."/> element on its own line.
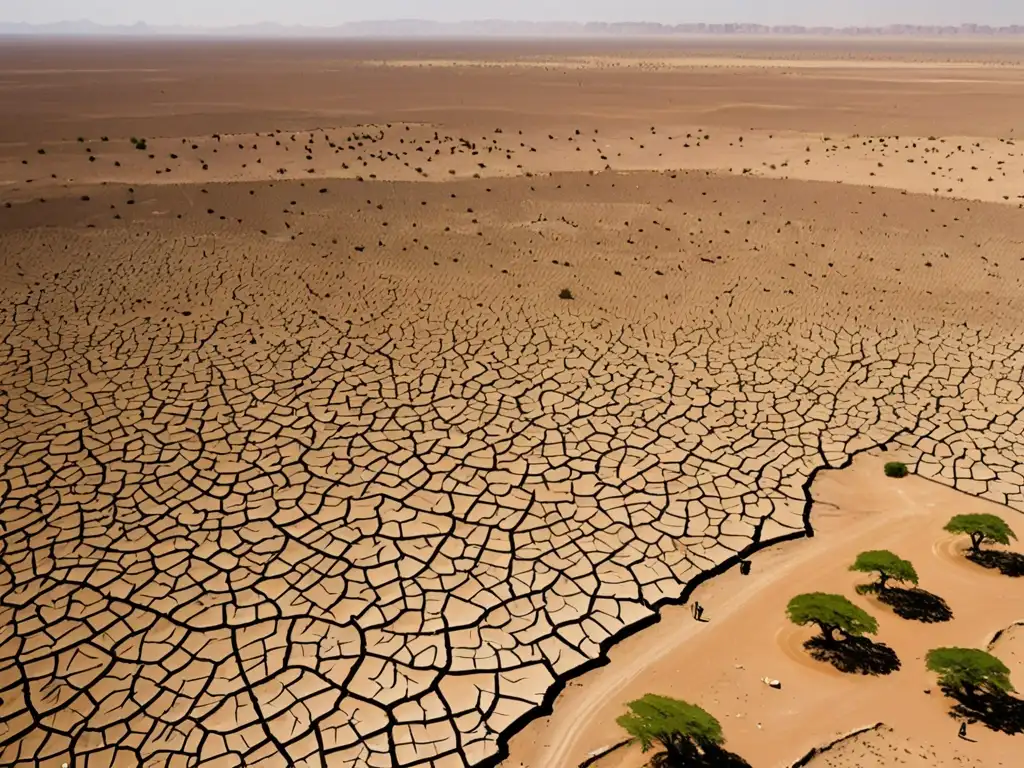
<point x="497" y="28"/>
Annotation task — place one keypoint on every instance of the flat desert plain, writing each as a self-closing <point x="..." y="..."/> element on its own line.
<point x="368" y="404"/>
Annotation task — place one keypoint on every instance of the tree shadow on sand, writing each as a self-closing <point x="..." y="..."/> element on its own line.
<point x="916" y="604"/>
<point x="1007" y="563"/>
<point x="856" y="655"/>
<point x="998" y="711"/>
<point x="712" y="757"/>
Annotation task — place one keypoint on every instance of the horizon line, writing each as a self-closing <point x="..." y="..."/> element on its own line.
<point x="87" y="26"/>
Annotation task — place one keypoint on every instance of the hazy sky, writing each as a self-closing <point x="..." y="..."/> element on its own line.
<point x="320" y="12"/>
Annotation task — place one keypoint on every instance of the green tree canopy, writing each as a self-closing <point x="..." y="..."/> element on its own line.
<point x="887" y="565"/>
<point x="981" y="528"/>
<point x="831" y="613"/>
<point x="967" y="670"/>
<point x="679" y="727"/>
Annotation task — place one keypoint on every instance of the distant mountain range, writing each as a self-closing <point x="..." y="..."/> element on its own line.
<point x="495" y="28"/>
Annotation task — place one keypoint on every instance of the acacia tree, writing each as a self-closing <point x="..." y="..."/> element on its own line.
<point x="887" y="566"/>
<point x="967" y="671"/>
<point x="831" y="613"/>
<point x="684" y="730"/>
<point x="981" y="528"/>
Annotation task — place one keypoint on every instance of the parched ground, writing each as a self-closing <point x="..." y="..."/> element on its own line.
<point x="883" y="748"/>
<point x="304" y="461"/>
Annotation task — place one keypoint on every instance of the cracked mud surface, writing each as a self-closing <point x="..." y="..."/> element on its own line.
<point x="261" y="531"/>
<point x="306" y="478"/>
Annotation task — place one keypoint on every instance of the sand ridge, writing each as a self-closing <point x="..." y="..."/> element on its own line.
<point x="960" y="167"/>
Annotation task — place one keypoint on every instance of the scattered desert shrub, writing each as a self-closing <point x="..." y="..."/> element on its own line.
<point x="896" y="469"/>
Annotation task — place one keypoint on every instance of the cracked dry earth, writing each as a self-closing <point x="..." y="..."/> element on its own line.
<point x="244" y="523"/>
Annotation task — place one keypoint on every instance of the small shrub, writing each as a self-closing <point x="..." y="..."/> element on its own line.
<point x="896" y="469"/>
<point x="565" y="293"/>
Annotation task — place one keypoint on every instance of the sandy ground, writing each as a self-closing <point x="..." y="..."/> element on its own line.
<point x="304" y="461"/>
<point x="955" y="166"/>
<point x="720" y="663"/>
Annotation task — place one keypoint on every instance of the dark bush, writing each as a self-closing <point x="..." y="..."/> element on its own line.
<point x="896" y="469"/>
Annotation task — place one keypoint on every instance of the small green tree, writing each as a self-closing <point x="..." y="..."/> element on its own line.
<point x="968" y="670"/>
<point x="831" y="613"/>
<point x="683" y="729"/>
<point x="981" y="528"/>
<point x="887" y="566"/>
